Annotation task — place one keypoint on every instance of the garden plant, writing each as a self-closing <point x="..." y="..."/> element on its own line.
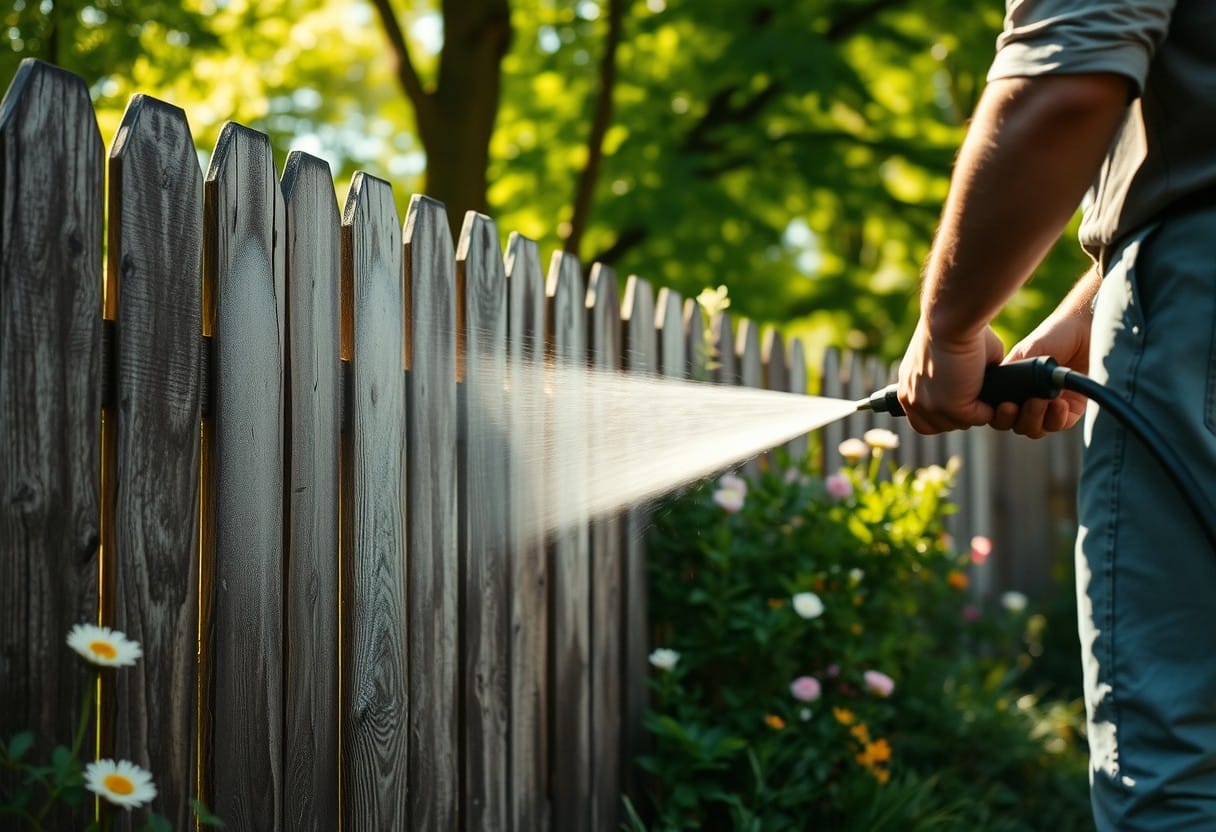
<point x="821" y="661"/>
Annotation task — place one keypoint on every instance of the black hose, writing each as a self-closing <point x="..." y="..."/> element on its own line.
<point x="1156" y="444"/>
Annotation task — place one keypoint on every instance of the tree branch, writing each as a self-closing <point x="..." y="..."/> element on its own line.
<point x="585" y="191"/>
<point x="407" y="75"/>
<point x="630" y="237"/>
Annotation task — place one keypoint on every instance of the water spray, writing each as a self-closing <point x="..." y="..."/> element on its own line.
<point x="1044" y="378"/>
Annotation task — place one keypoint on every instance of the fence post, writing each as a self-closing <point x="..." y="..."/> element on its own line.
<point x="154" y="293"/>
<point x="50" y="397"/>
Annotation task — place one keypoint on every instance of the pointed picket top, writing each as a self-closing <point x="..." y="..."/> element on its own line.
<point x="773" y="359"/>
<point x="637" y="319"/>
<point x="566" y="293"/>
<point x="747" y="347"/>
<point x="669" y="323"/>
<point x="525" y="299"/>
<point x="723" y="363"/>
<point x="696" y="345"/>
<point x="604" y="319"/>
<point x="799" y="445"/>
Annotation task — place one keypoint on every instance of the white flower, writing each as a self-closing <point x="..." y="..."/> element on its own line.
<point x="855" y="576"/>
<point x="805" y="714"/>
<point x="881" y="439"/>
<point x="853" y="449"/>
<point x="808" y="605"/>
<point x="733" y="483"/>
<point x="120" y="782"/>
<point x="932" y="475"/>
<point x="731" y="493"/>
<point x="1014" y="601"/>
<point x="103" y="647"/>
<point x="664" y="658"/>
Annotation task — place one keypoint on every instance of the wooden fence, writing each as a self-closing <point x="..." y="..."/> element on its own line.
<point x="249" y="453"/>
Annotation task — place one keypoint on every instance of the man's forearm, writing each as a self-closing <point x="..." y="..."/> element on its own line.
<point x="1033" y="148"/>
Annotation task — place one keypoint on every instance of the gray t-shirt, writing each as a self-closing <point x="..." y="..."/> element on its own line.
<point x="1166" y="147"/>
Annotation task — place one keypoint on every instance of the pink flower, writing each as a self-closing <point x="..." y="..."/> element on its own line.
<point x="839" y="486"/>
<point x="981" y="548"/>
<point x="971" y="613"/>
<point x="833" y="670"/>
<point x="805" y="689"/>
<point x="731" y="493"/>
<point x="879" y="683"/>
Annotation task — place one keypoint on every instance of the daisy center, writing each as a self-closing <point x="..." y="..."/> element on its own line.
<point x="118" y="784"/>
<point x="103" y="649"/>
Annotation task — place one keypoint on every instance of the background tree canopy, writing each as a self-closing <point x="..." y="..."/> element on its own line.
<point x="797" y="152"/>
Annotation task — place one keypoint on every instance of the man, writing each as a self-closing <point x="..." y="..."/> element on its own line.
<point x="1119" y="98"/>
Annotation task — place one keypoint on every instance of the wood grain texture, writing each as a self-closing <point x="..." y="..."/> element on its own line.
<point x="751" y="373"/>
<point x="375" y="738"/>
<point x="155" y="283"/>
<point x="50" y="401"/>
<point x="485" y="604"/>
<point x="434" y="769"/>
<point x="604" y="353"/>
<point x="313" y="279"/>
<point x="527" y="786"/>
<point x="672" y="342"/>
<point x="696" y="349"/>
<point x="722" y="361"/>
<point x="641" y="351"/>
<point x="243" y="267"/>
<point x="775" y="374"/>
<point x="799" y="446"/>
<point x="569" y="566"/>
<point x="831" y="384"/>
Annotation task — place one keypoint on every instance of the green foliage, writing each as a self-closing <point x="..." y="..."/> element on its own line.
<point x="801" y="583"/>
<point x="798" y="153"/>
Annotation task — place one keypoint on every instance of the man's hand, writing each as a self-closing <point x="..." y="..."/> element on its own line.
<point x="1064" y="335"/>
<point x="939" y="380"/>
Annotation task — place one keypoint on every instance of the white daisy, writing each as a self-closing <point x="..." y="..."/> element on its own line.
<point x="103" y="647"/>
<point x="664" y="658"/>
<point x="808" y="605"/>
<point x="121" y="782"/>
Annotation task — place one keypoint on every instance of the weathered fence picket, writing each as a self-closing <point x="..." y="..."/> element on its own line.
<point x="154" y="297"/>
<point x="375" y="630"/>
<point x="50" y="398"/>
<point x="321" y="501"/>
<point x="434" y="574"/>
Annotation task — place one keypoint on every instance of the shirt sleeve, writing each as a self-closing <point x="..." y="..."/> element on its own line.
<point x="1043" y="37"/>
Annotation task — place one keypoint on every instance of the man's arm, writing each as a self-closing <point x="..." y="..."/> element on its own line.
<point x="1034" y="147"/>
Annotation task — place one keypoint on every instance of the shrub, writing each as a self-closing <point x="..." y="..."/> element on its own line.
<point x="821" y="663"/>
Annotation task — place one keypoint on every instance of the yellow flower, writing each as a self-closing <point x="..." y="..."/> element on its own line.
<point x="843" y="715"/>
<point x="102" y="646"/>
<point x="957" y="580"/>
<point x="875" y="752"/>
<point x="120" y="782"/>
<point x="860" y="732"/>
<point x="773" y="721"/>
<point x="880" y="774"/>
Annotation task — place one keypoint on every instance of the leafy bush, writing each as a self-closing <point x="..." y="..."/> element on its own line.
<point x="820" y="663"/>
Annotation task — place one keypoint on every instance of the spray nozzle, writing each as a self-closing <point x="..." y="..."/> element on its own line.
<point x="1030" y="378"/>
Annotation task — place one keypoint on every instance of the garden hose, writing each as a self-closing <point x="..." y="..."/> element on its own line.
<point x="1044" y="378"/>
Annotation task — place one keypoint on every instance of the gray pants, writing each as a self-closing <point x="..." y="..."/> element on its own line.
<point x="1146" y="576"/>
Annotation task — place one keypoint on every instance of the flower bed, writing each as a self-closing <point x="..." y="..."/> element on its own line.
<point x="821" y="662"/>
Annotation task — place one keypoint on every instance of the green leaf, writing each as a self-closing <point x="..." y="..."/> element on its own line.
<point x="204" y="814"/>
<point x="19" y="744"/>
<point x="156" y="823"/>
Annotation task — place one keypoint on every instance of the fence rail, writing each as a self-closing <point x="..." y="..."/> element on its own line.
<point x="258" y="437"/>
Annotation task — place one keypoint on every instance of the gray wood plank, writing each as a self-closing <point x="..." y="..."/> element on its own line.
<point x="775" y="374"/>
<point x="641" y="351"/>
<point x="751" y="373"/>
<point x="50" y="398"/>
<point x="313" y="275"/>
<point x="434" y="769"/>
<point x="604" y="354"/>
<point x="798" y="447"/>
<point x="155" y="282"/>
<point x="695" y="341"/>
<point x="529" y="578"/>
<point x="569" y="565"/>
<point x="723" y="363"/>
<point x="375" y="737"/>
<point x="672" y="342"/>
<point x="244" y="300"/>
<point x="831" y="383"/>
<point x="484" y="603"/>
